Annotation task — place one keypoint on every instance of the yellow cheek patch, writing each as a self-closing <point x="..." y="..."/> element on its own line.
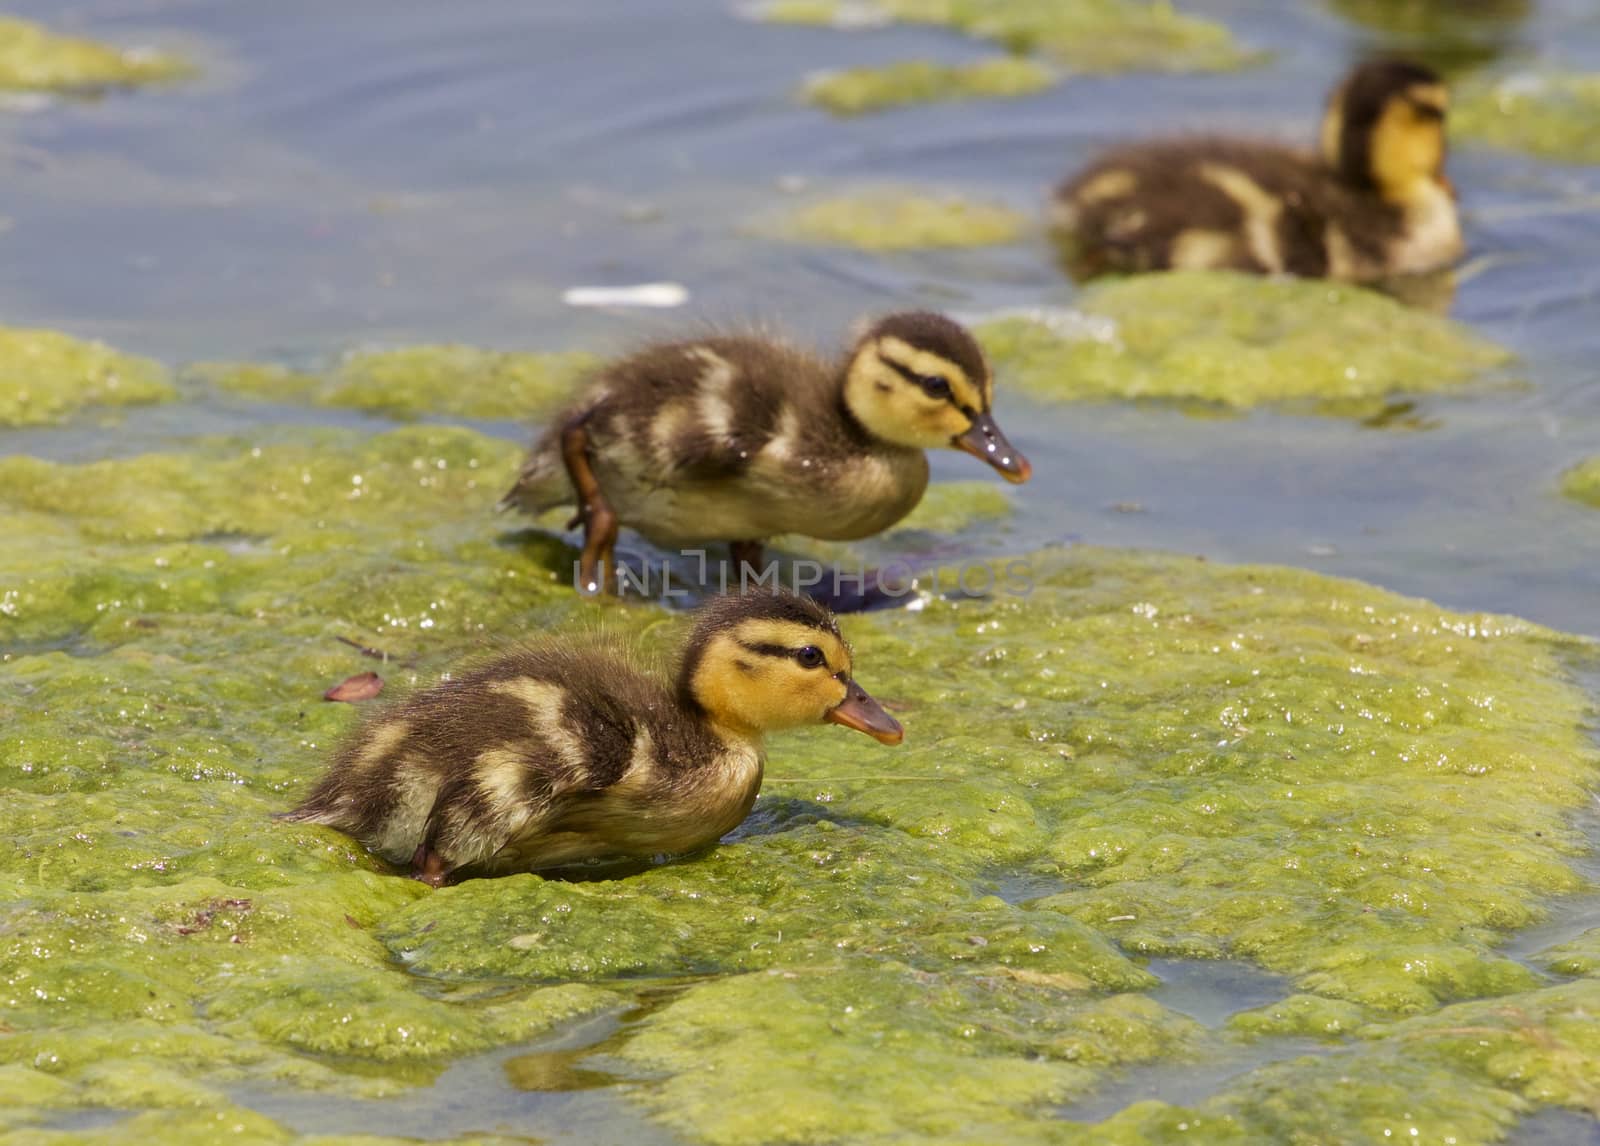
<point x="833" y="692"/>
<point x="719" y="679"/>
<point x="950" y="422"/>
<point x="884" y="375"/>
<point x="754" y="692"/>
<point x="1406" y="150"/>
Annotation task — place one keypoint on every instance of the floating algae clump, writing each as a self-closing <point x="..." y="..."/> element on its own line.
<point x="267" y="532"/>
<point x="919" y="81"/>
<point x="1582" y="482"/>
<point x="1451" y="35"/>
<point x="1580" y="956"/>
<point x="1361" y="792"/>
<point x="885" y="1055"/>
<point x="1554" y="115"/>
<point x="46" y="376"/>
<point x="34" y="59"/>
<point x="890" y="221"/>
<point x="1086" y="35"/>
<point x="413" y="381"/>
<point x="264" y="380"/>
<point x="1462" y="1075"/>
<point x="1237" y="341"/>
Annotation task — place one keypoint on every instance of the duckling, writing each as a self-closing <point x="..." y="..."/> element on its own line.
<point x="1375" y="203"/>
<point x="559" y="753"/>
<point x="738" y="438"/>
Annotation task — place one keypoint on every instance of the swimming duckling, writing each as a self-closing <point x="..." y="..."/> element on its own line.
<point x="556" y="754"/>
<point x="1375" y="203"/>
<point x="739" y="438"/>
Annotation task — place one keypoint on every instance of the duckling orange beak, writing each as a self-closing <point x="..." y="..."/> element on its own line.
<point x="987" y="441"/>
<point x="859" y="711"/>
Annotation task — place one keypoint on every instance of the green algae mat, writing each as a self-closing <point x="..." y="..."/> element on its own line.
<point x="411" y="381"/>
<point x="48" y="377"/>
<point x="859" y="90"/>
<point x="1582" y="482"/>
<point x="1360" y="793"/>
<point x="35" y="59"/>
<point x="1085" y="35"/>
<point x="1554" y="115"/>
<point x="1236" y="341"/>
<point x="1043" y="38"/>
<point x="885" y="219"/>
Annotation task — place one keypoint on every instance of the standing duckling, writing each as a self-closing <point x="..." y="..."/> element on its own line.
<point x="1374" y="204"/>
<point x="556" y="754"/>
<point x="741" y="438"/>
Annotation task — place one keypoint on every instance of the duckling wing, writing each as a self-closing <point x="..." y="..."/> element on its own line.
<point x="708" y="410"/>
<point x="533" y="732"/>
<point x="607" y="764"/>
<point x="686" y="411"/>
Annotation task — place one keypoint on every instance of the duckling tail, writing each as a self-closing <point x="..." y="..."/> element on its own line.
<point x="543" y="484"/>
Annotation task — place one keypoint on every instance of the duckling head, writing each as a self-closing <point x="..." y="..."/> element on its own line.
<point x="918" y="379"/>
<point x="1384" y="130"/>
<point x="760" y="662"/>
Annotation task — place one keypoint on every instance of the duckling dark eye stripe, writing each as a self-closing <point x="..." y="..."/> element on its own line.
<point x="905" y="372"/>
<point x="768" y="650"/>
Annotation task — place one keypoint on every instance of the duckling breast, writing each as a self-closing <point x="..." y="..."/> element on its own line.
<point x="783" y="481"/>
<point x="1430" y="233"/>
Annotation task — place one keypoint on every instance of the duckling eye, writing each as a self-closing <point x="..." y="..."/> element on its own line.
<point x="810" y="657"/>
<point x="934" y="386"/>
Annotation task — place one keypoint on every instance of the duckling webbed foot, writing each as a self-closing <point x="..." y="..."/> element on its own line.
<point x="427" y="866"/>
<point x="595" y="565"/>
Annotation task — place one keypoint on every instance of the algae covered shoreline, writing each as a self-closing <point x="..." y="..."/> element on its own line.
<point x="1362" y="795"/>
<point x="1229" y="764"/>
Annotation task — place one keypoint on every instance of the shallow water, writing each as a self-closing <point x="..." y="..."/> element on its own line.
<point x="372" y="173"/>
<point x="478" y="1095"/>
<point x="442" y="172"/>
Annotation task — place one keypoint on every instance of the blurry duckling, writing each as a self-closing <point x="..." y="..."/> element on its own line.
<point x="1373" y="204"/>
<point x="738" y="438"/>
<point x="558" y="754"/>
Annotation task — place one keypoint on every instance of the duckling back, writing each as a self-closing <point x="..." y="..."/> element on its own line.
<point x="1217" y="204"/>
<point x="541" y="758"/>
